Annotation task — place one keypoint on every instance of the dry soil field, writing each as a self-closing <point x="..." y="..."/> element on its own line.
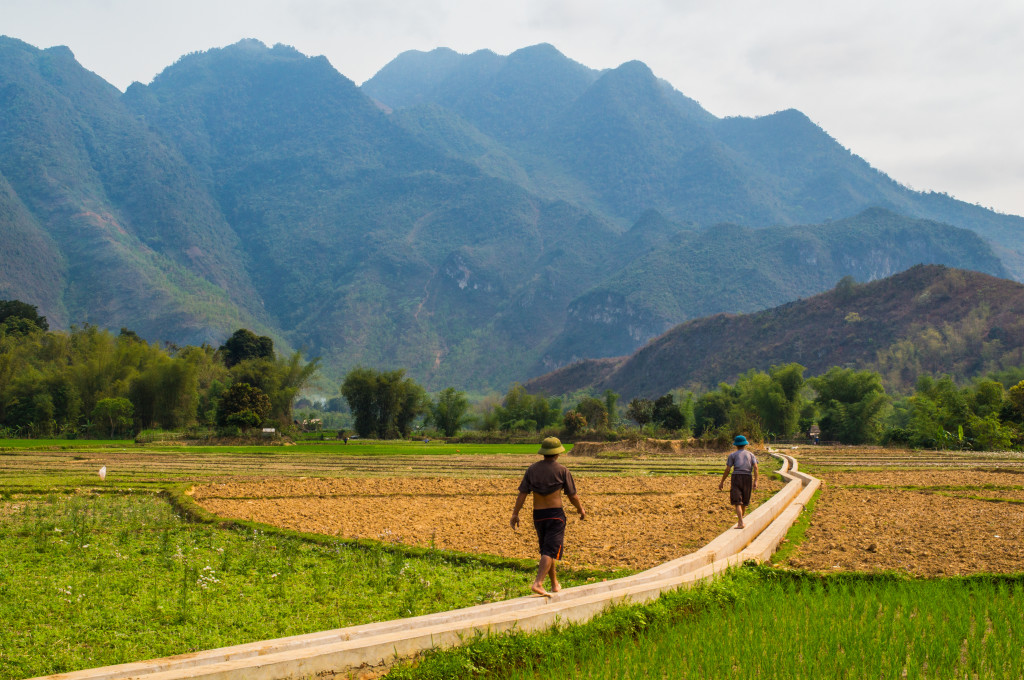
<point x="928" y="514"/>
<point x="929" y="531"/>
<point x="923" y="513"/>
<point x="632" y="522"/>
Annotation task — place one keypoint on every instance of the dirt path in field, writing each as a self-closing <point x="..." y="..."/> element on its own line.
<point x="926" y="523"/>
<point x="632" y="522"/>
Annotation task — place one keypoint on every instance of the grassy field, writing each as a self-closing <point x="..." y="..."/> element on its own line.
<point x="767" y="623"/>
<point x="353" y="447"/>
<point x="763" y="623"/>
<point x="96" y="579"/>
<point x="96" y="572"/>
<point x="104" y="571"/>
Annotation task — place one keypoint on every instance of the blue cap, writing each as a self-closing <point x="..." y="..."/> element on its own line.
<point x="740" y="440"/>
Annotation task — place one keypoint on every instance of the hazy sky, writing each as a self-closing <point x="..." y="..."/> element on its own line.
<point x="931" y="92"/>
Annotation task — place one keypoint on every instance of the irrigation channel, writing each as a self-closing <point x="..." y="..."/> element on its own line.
<point x="378" y="644"/>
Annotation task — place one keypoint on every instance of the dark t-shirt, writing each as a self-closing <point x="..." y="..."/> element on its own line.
<point x="547" y="476"/>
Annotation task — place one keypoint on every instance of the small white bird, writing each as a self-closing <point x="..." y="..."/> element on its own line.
<point x="103" y="473"/>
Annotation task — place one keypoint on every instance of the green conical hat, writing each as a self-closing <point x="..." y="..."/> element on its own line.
<point x="551" y="447"/>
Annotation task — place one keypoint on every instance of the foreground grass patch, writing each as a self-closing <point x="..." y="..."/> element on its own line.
<point x="763" y="623"/>
<point x="97" y="579"/>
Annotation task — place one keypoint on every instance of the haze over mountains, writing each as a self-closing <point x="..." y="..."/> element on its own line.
<point x="475" y="219"/>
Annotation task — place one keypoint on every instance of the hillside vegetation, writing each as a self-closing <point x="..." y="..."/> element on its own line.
<point x="928" y="320"/>
<point x="453" y="209"/>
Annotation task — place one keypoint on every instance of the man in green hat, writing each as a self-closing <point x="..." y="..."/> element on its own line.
<point x="546" y="480"/>
<point x="743" y="465"/>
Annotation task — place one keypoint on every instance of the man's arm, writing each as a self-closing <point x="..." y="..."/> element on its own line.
<point x="725" y="476"/>
<point x="575" y="500"/>
<point x="754" y="470"/>
<point x="514" y="522"/>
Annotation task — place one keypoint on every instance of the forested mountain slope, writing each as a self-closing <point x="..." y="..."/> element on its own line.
<point x="454" y="209"/>
<point x="625" y="142"/>
<point x="928" y="319"/>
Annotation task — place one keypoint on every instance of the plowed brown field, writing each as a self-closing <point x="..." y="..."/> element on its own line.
<point x="923" y="522"/>
<point x="632" y="522"/>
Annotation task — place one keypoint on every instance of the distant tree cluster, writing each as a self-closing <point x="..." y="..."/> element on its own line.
<point x="522" y="411"/>
<point x="384" y="404"/>
<point x="91" y="381"/>
<point x="852" y="407"/>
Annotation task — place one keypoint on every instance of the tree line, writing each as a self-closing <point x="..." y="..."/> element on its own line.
<point x="847" y="405"/>
<point x="93" y="381"/>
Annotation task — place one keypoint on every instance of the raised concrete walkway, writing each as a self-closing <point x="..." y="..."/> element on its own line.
<point x="378" y="644"/>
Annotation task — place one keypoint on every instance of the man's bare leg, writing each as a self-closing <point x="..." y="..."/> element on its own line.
<point x="555" y="585"/>
<point x="739" y="516"/>
<point x="546" y="565"/>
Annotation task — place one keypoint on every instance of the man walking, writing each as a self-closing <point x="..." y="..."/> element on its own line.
<point x="743" y="465"/>
<point x="546" y="480"/>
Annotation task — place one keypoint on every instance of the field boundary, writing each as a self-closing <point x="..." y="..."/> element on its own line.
<point x="379" y="644"/>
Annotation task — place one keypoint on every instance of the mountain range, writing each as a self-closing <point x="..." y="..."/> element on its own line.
<point x="452" y="210"/>
<point x="927" y="320"/>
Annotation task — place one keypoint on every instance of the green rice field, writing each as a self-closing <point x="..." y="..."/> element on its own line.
<point x="763" y="623"/>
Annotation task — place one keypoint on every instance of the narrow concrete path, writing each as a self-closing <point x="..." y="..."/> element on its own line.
<point x="378" y="644"/>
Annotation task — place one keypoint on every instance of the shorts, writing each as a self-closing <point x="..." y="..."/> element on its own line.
<point x="550" y="526"/>
<point x="740" y="488"/>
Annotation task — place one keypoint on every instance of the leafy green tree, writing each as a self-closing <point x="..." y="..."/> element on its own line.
<point x="413" y="402"/>
<point x="449" y="412"/>
<point x="116" y="411"/>
<point x="942" y="415"/>
<point x="243" y="405"/>
<point x="517" y="410"/>
<point x="243" y="345"/>
<point x="520" y="410"/>
<point x="851" y="404"/>
<point x="611" y="407"/>
<point x="360" y="391"/>
<point x="546" y="412"/>
<point x="16" y="309"/>
<point x="574" y="423"/>
<point x="1016" y="398"/>
<point x="712" y="409"/>
<point x="595" y="413"/>
<point x="775" y="398"/>
<point x="165" y="393"/>
<point x="279" y="378"/>
<point x="671" y="415"/>
<point x="640" y="411"/>
<point x="988" y="398"/>
<point x="383" y="404"/>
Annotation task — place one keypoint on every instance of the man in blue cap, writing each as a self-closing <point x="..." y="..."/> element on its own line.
<point x="743" y="465"/>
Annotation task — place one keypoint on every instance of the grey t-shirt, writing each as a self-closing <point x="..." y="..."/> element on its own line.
<point x="741" y="461"/>
<point x="547" y="476"/>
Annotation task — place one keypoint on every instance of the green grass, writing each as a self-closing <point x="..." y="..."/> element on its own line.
<point x="96" y="579"/>
<point x="358" y="447"/>
<point x="764" y="623"/>
<point x="129" y="568"/>
<point x="796" y="534"/>
<point x="64" y="444"/>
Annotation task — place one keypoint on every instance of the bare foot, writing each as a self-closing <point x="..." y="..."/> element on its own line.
<point x="540" y="590"/>
<point x="740" y="525"/>
<point x="556" y="586"/>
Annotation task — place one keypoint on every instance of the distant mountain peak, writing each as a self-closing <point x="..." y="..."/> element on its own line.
<point x="523" y="206"/>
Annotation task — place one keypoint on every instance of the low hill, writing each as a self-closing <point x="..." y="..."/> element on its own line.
<point x="929" y="319"/>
